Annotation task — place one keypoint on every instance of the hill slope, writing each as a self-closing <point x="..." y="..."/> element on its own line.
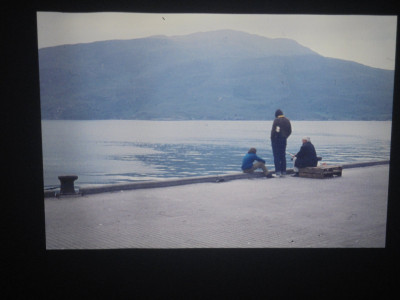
<point x="214" y="75"/>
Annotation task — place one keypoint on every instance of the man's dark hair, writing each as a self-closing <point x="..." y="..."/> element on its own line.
<point x="278" y="113"/>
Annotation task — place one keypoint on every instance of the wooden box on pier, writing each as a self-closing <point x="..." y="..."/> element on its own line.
<point x="323" y="171"/>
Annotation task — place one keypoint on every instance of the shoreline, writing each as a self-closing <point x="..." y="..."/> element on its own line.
<point x="184" y="181"/>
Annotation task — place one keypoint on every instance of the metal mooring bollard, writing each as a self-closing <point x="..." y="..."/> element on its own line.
<point x="67" y="184"/>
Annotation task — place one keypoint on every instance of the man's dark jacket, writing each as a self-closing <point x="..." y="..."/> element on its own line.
<point x="284" y="125"/>
<point x="306" y="157"/>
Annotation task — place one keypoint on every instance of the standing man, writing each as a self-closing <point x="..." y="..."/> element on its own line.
<point x="281" y="130"/>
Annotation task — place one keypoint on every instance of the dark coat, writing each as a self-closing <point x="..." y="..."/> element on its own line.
<point x="284" y="125"/>
<point x="307" y="156"/>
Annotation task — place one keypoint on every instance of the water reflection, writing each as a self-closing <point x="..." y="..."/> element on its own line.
<point x="118" y="151"/>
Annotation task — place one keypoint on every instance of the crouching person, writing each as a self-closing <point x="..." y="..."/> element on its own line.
<point x="249" y="167"/>
<point x="306" y="157"/>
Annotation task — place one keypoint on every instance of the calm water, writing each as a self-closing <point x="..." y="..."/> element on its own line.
<point x="103" y="152"/>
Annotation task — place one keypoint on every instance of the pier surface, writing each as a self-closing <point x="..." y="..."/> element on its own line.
<point x="341" y="212"/>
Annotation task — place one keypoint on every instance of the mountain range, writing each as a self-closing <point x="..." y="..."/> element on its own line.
<point x="218" y="75"/>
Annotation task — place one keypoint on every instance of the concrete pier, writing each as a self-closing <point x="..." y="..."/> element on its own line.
<point x="252" y="212"/>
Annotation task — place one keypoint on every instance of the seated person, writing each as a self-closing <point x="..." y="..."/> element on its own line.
<point x="249" y="167"/>
<point x="306" y="157"/>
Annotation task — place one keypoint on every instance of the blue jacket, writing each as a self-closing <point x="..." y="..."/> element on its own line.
<point x="248" y="160"/>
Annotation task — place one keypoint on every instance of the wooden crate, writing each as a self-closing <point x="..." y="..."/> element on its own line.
<point x="324" y="171"/>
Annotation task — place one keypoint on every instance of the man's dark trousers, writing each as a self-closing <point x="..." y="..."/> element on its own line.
<point x="279" y="152"/>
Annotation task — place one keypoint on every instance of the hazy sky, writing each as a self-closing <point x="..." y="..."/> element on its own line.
<point x="369" y="40"/>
